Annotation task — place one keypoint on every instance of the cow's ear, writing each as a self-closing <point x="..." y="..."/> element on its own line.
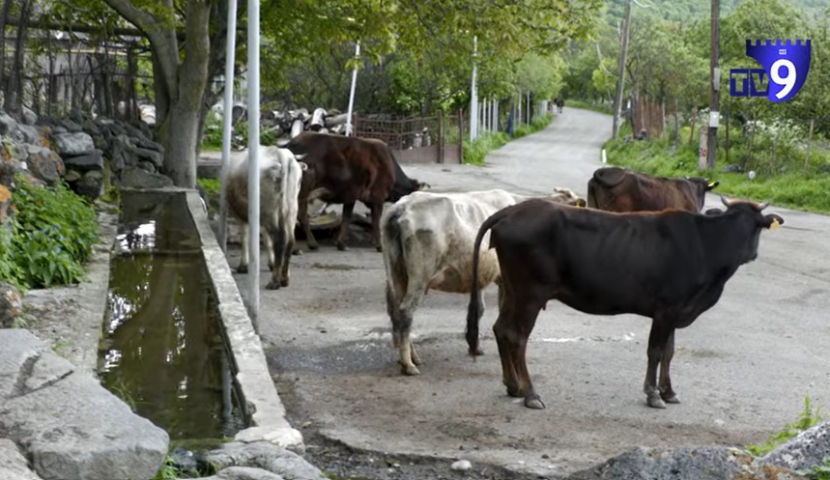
<point x="580" y="203"/>
<point x="423" y="185"/>
<point x="303" y="166"/>
<point x="772" y="221"/>
<point x="712" y="185"/>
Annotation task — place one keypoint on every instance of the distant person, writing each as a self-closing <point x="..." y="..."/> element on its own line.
<point x="510" y="123"/>
<point x="560" y="104"/>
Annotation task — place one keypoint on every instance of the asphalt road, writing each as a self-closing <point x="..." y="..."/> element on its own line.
<point x="741" y="370"/>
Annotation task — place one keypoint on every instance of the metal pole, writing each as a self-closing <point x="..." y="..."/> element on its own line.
<point x="230" y="50"/>
<point x="253" y="159"/>
<point x="615" y="128"/>
<point x="474" y="95"/>
<point x="351" y="93"/>
<point x="714" y="87"/>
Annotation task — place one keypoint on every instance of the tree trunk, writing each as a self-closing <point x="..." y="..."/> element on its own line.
<point x="4" y="15"/>
<point x="179" y="136"/>
<point x="14" y="99"/>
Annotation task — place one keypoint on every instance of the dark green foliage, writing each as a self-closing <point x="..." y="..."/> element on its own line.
<point x="49" y="238"/>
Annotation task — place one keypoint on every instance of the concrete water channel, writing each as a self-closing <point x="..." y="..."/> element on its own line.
<point x="177" y="343"/>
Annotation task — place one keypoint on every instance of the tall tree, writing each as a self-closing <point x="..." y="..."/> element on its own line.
<point x="179" y="81"/>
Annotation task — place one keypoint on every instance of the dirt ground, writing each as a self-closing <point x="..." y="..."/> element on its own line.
<point x="741" y="370"/>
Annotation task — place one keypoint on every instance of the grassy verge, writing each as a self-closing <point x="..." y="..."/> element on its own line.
<point x="577" y="103"/>
<point x="782" y="178"/>
<point x="475" y="151"/>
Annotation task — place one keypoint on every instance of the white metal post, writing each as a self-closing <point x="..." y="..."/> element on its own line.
<point x="253" y="159"/>
<point x="474" y="95"/>
<point x="486" y="115"/>
<point x="227" y="115"/>
<point x="351" y="93"/>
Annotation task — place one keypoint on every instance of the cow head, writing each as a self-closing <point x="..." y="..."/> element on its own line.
<point x="741" y="232"/>
<point x="423" y="186"/>
<point x="700" y="186"/>
<point x="568" y="197"/>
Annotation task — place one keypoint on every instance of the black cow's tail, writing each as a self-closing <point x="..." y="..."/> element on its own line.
<point x="475" y="307"/>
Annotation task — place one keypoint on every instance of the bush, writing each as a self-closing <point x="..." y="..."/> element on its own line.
<point x="475" y="151"/>
<point x="49" y="238"/>
<point x="807" y="419"/>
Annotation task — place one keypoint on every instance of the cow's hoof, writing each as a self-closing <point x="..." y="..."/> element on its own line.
<point x="534" y="402"/>
<point x="284" y="282"/>
<point x="342" y="247"/>
<point x="297" y="252"/>
<point x="479" y="351"/>
<point x="242" y="269"/>
<point x="379" y="248"/>
<point x="313" y="246"/>
<point x="410" y="370"/>
<point x="654" y="401"/>
<point x="272" y="285"/>
<point x="670" y="397"/>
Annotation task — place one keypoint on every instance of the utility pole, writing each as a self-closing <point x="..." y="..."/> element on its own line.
<point x="714" y="87"/>
<point x="474" y="95"/>
<point x="615" y="129"/>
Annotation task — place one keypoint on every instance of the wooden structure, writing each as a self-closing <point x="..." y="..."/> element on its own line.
<point x="434" y="139"/>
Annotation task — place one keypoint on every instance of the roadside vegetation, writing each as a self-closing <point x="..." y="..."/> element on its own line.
<point x="766" y="151"/>
<point x="48" y="238"/>
<point x="475" y="151"/>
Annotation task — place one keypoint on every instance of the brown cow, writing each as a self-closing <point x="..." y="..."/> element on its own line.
<point x="346" y="170"/>
<point x="621" y="190"/>
<point x="670" y="266"/>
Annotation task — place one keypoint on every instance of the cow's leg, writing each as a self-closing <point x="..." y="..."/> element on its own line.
<point x="376" y="210"/>
<point x="243" y="255"/>
<point x="402" y="325"/>
<point x="302" y="214"/>
<point x="657" y="340"/>
<point x="502" y="330"/>
<point x="524" y="321"/>
<point x="278" y="254"/>
<point x="269" y="249"/>
<point x="666" y="392"/>
<point x="345" y="220"/>
<point x="289" y="249"/>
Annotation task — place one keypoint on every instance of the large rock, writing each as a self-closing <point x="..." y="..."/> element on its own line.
<point x="685" y="463"/>
<point x="91" y="185"/>
<point x="27" y="134"/>
<point x="13" y="465"/>
<point x="29" y="117"/>
<point x="71" y="144"/>
<point x="10" y="303"/>
<point x="45" y="164"/>
<point x="7" y="123"/>
<point x="244" y="473"/>
<point x="805" y="451"/>
<point x="69" y="425"/>
<point x="85" y="163"/>
<point x="134" y="177"/>
<point x="266" y="456"/>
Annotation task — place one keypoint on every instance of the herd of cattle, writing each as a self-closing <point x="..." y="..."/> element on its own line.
<point x="638" y="245"/>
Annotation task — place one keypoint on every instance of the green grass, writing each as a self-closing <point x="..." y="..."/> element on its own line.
<point x="807" y="419"/>
<point x="577" y="103"/>
<point x="781" y="177"/>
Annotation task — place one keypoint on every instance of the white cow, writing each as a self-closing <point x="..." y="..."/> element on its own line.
<point x="280" y="176"/>
<point x="427" y="241"/>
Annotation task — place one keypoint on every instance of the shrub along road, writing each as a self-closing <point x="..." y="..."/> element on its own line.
<point x="741" y="370"/>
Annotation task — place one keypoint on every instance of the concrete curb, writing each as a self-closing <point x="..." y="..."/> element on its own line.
<point x="262" y="402"/>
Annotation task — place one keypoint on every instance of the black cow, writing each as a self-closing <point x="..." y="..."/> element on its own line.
<point x="670" y="266"/>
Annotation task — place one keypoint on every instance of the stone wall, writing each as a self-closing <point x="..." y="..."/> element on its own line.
<point x="87" y="153"/>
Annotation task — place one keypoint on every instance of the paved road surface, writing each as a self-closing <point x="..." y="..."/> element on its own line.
<point x="741" y="371"/>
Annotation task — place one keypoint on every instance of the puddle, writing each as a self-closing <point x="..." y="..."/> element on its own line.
<point x="162" y="349"/>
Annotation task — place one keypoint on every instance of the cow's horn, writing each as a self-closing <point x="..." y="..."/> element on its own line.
<point x="763" y="205"/>
<point x="724" y="200"/>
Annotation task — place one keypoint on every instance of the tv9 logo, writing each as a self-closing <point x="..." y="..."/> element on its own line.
<point x="785" y="65"/>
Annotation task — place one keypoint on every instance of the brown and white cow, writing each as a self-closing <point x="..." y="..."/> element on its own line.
<point x="616" y="189"/>
<point x="670" y="266"/>
<point x="281" y="173"/>
<point x="346" y="170"/>
<point x="427" y="241"/>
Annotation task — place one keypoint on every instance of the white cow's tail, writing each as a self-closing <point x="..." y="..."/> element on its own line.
<point x="397" y="279"/>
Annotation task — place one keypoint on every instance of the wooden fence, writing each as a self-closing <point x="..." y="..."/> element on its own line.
<point x="434" y="139"/>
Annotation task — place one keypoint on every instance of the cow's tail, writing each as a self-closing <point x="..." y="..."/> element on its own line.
<point x="393" y="258"/>
<point x="475" y="307"/>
